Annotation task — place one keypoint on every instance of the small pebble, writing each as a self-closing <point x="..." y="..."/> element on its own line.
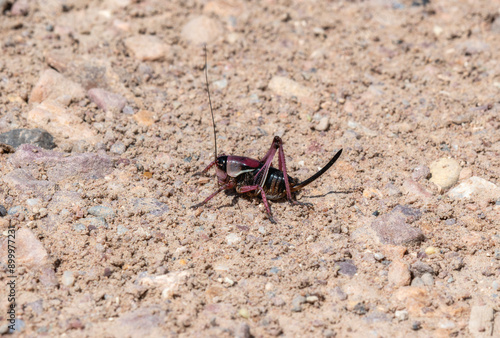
<point x="232" y="239"/>
<point x="417" y="281"/>
<point x="497" y="254"/>
<point x="3" y="211"/>
<point x="427" y="279"/>
<point x="118" y="148"/>
<point x="33" y="202"/>
<point x="127" y="110"/>
<point x="431" y="250"/>
<point x="451" y="280"/>
<point x="378" y="256"/>
<point x="399" y="273"/>
<point x="495" y="285"/>
<point x="445" y="172"/>
<point x="79" y="227"/>
<point x="18" y="209"/>
<point x="415" y="326"/>
<point x="323" y="124"/>
<point x="107" y="101"/>
<point x="297" y="303"/>
<point x="420" y="172"/>
<point x="228" y="281"/>
<point x="312" y="299"/>
<point x="401" y="315"/>
<point x="146" y="47"/>
<point x="68" y="279"/>
<point x="243" y="312"/>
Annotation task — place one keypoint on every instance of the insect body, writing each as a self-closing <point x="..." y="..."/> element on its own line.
<point x="257" y="177"/>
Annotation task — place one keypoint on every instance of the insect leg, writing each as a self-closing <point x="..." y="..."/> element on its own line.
<point x="224" y="187"/>
<point x="249" y="188"/>
<point x="267" y="159"/>
<point x="206" y="169"/>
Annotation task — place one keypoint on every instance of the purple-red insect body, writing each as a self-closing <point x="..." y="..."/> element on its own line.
<point x="257" y="177"/>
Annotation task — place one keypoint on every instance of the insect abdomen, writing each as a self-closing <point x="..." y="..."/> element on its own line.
<point x="274" y="187"/>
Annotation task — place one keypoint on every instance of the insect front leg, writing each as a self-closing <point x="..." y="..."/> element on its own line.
<point x="227" y="186"/>
<point x="198" y="173"/>
<point x="249" y="188"/>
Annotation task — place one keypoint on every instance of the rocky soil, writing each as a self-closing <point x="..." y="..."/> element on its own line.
<point x="104" y="119"/>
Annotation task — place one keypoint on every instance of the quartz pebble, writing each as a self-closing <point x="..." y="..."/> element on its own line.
<point x="475" y="187"/>
<point x="68" y="279"/>
<point x="445" y="172"/>
<point x="232" y="239"/>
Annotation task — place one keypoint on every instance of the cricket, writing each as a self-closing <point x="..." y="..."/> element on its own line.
<point x="257" y="177"/>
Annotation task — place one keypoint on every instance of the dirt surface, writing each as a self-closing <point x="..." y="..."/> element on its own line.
<point x="403" y="239"/>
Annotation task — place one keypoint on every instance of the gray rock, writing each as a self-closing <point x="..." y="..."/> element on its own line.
<point x="18" y="209"/>
<point x="118" y="148"/>
<point x="79" y="227"/>
<point x="427" y="279"/>
<point x="393" y="227"/>
<point x="37" y="137"/>
<point x="91" y="222"/>
<point x="19" y="326"/>
<point x="419" y="268"/>
<point x="417" y="282"/>
<point x="347" y="268"/>
<point x="127" y="110"/>
<point x="3" y="211"/>
<point x="297" y="303"/>
<point x="101" y="211"/>
<point x="107" y="101"/>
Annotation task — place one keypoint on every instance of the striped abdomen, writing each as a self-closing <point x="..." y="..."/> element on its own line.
<point x="274" y="186"/>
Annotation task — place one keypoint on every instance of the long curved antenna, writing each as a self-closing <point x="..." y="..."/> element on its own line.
<point x="210" y="102"/>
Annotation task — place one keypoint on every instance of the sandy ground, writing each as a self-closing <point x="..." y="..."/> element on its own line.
<point x="403" y="239"/>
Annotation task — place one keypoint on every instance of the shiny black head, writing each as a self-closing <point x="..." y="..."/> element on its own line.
<point x="222" y="162"/>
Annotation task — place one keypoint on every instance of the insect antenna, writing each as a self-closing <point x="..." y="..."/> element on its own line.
<point x="210" y="103"/>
